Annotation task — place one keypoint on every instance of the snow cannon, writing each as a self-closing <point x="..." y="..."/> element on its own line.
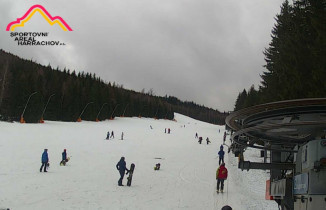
<point x="22" y="120"/>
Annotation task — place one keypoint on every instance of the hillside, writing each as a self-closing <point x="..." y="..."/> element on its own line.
<point x="67" y="93"/>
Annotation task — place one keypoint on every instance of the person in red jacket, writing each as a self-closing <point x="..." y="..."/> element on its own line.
<point x="221" y="175"/>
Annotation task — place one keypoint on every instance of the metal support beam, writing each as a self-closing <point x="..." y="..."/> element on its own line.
<point x="246" y="165"/>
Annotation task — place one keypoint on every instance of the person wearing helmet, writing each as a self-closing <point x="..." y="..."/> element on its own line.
<point x="44" y="160"/>
<point x="221" y="175"/>
<point x="121" y="167"/>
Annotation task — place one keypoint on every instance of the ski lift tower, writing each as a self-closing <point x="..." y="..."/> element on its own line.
<point x="292" y="133"/>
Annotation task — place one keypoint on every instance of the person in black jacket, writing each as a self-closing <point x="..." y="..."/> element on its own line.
<point x="121" y="166"/>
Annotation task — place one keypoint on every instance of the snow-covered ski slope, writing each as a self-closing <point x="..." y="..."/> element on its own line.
<point x="186" y="179"/>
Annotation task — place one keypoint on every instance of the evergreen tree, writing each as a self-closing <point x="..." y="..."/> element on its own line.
<point x="295" y="59"/>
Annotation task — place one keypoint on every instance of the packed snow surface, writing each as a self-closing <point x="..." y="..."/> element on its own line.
<point x="186" y="179"/>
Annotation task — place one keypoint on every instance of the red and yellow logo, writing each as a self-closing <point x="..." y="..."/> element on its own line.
<point x="38" y="8"/>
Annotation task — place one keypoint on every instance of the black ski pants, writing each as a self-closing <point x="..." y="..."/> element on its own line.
<point x="220" y="182"/>
<point x="221" y="159"/>
<point x="43" y="164"/>
<point x="122" y="174"/>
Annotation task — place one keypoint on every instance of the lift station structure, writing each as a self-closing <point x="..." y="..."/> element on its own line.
<point x="292" y="138"/>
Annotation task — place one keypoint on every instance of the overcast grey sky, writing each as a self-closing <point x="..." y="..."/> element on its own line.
<point x="205" y="51"/>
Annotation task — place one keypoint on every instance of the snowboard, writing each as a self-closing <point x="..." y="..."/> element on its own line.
<point x="131" y="171"/>
<point x="63" y="162"/>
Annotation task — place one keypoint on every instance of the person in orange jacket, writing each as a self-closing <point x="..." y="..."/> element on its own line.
<point x="221" y="175"/>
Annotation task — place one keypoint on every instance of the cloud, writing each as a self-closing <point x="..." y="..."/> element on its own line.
<point x="203" y="51"/>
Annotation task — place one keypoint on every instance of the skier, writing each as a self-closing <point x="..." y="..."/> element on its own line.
<point x="165" y="130"/>
<point x="221" y="156"/>
<point x="121" y="166"/>
<point x="45" y="160"/>
<point x="108" y="135"/>
<point x="221" y="175"/>
<point x="224" y="137"/>
<point x="122" y="136"/>
<point x="112" y="135"/>
<point x="221" y="147"/>
<point x="196" y="136"/>
<point x="151" y="127"/>
<point x="169" y="131"/>
<point x="200" y="139"/>
<point x="207" y="140"/>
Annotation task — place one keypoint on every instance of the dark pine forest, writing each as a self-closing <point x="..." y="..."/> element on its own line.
<point x="19" y="78"/>
<point x="295" y="58"/>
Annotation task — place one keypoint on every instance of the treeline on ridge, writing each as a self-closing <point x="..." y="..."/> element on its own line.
<point x="296" y="56"/>
<point x="66" y="95"/>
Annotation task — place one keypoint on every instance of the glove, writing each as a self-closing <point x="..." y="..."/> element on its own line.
<point x="127" y="172"/>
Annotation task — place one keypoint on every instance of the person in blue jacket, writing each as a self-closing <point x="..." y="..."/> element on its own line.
<point x="45" y="160"/>
<point x="221" y="156"/>
<point x="64" y="158"/>
<point x="121" y="166"/>
<point x="64" y="155"/>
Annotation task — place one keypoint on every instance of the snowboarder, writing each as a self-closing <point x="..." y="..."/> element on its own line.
<point x="64" y="155"/>
<point x="207" y="140"/>
<point x="200" y="139"/>
<point x="221" y="156"/>
<point x="108" y="135"/>
<point x="122" y="136"/>
<point x="196" y="136"/>
<point x="45" y="160"/>
<point x="64" y="158"/>
<point x="157" y="166"/>
<point x="121" y="167"/>
<point x="112" y="135"/>
<point x="221" y="175"/>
